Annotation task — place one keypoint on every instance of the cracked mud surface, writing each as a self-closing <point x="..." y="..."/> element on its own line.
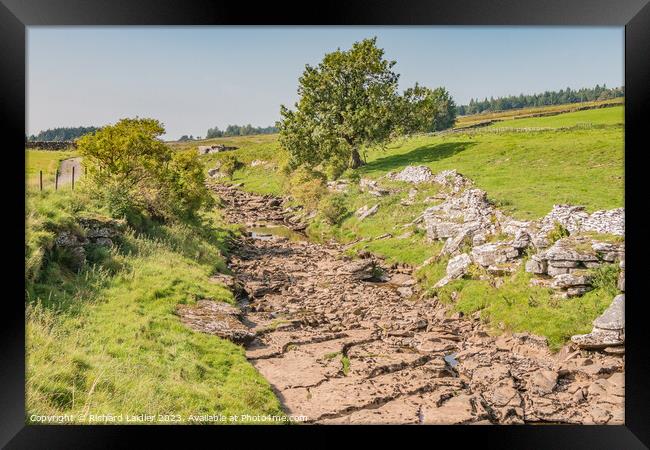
<point x="338" y="345"/>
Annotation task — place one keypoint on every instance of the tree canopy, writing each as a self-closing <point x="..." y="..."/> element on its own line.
<point x="351" y="101"/>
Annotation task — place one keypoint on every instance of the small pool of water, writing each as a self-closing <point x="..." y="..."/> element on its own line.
<point x="266" y="232"/>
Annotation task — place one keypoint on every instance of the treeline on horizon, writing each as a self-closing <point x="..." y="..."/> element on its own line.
<point x="563" y="96"/>
<point x="239" y="130"/>
<point x="62" y="134"/>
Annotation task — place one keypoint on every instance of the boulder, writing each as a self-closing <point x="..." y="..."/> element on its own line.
<point x="614" y="316"/>
<point x="567" y="280"/>
<point x="469" y="213"/>
<point x="569" y="216"/>
<point x="72" y="246"/>
<point x="608" y="222"/>
<point x="95" y="228"/>
<point x="608" y="330"/>
<point x="207" y="149"/>
<point x="372" y="187"/>
<point x="338" y="185"/>
<point x="522" y="240"/>
<point x="366" y="211"/>
<point x="453" y="244"/>
<point x="413" y="174"/>
<point x="456" y="268"/>
<point x="570" y="249"/>
<point x="452" y="179"/>
<point x="536" y="265"/>
<point x="493" y="254"/>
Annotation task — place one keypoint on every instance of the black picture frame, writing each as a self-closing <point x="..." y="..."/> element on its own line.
<point x="634" y="15"/>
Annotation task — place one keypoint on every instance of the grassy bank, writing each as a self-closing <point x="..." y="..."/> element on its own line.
<point x="524" y="173"/>
<point x="105" y="340"/>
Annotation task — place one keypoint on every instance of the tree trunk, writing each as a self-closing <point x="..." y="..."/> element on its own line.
<point x="356" y="159"/>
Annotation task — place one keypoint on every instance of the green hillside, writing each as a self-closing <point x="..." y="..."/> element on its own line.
<point x="524" y="173"/>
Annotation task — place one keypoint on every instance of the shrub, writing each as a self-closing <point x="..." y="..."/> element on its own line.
<point x="230" y="164"/>
<point x="333" y="208"/>
<point x="307" y="186"/>
<point x="605" y="277"/>
<point x="352" y="175"/>
<point x="558" y="232"/>
<point x="186" y="184"/>
<point x="136" y="176"/>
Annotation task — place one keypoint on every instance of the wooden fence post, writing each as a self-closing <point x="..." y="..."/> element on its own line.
<point x="40" y="176"/>
<point x="56" y="180"/>
<point x="73" y="178"/>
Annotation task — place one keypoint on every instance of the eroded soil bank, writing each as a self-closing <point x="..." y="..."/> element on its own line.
<point x="352" y="341"/>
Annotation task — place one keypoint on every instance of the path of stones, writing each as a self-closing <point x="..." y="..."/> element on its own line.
<point x="340" y="348"/>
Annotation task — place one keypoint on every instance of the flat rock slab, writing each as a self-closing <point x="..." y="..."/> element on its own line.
<point x="216" y="318"/>
<point x="614" y="316"/>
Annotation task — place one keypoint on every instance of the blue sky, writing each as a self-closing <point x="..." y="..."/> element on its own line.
<point x="193" y="78"/>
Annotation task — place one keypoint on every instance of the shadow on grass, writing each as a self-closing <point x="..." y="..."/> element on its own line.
<point x="421" y="155"/>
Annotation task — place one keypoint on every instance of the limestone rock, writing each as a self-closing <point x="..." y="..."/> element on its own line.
<point x="569" y="216"/>
<point x="460" y="217"/>
<point x="366" y="211"/>
<point x="494" y="254"/>
<point x="536" y="265"/>
<point x="95" y="228"/>
<point x="609" y="328"/>
<point x="614" y="316"/>
<point x="215" y="173"/>
<point x="372" y="187"/>
<point x="413" y="174"/>
<point x="338" y="185"/>
<point x="452" y="179"/>
<point x="564" y="281"/>
<point x="216" y="318"/>
<point x="456" y="268"/>
<point x="609" y="222"/>
<point x="569" y="249"/>
<point x="208" y="149"/>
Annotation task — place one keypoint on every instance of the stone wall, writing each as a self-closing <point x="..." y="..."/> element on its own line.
<point x="50" y="145"/>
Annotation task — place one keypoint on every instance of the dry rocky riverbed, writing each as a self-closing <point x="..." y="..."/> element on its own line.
<point x="353" y="341"/>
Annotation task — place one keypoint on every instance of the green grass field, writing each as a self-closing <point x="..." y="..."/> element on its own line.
<point x="473" y="119"/>
<point x="524" y="173"/>
<point x="46" y="160"/>
<point x="603" y="116"/>
<point x="106" y="340"/>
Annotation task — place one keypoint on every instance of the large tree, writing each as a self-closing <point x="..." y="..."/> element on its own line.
<point x="351" y="101"/>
